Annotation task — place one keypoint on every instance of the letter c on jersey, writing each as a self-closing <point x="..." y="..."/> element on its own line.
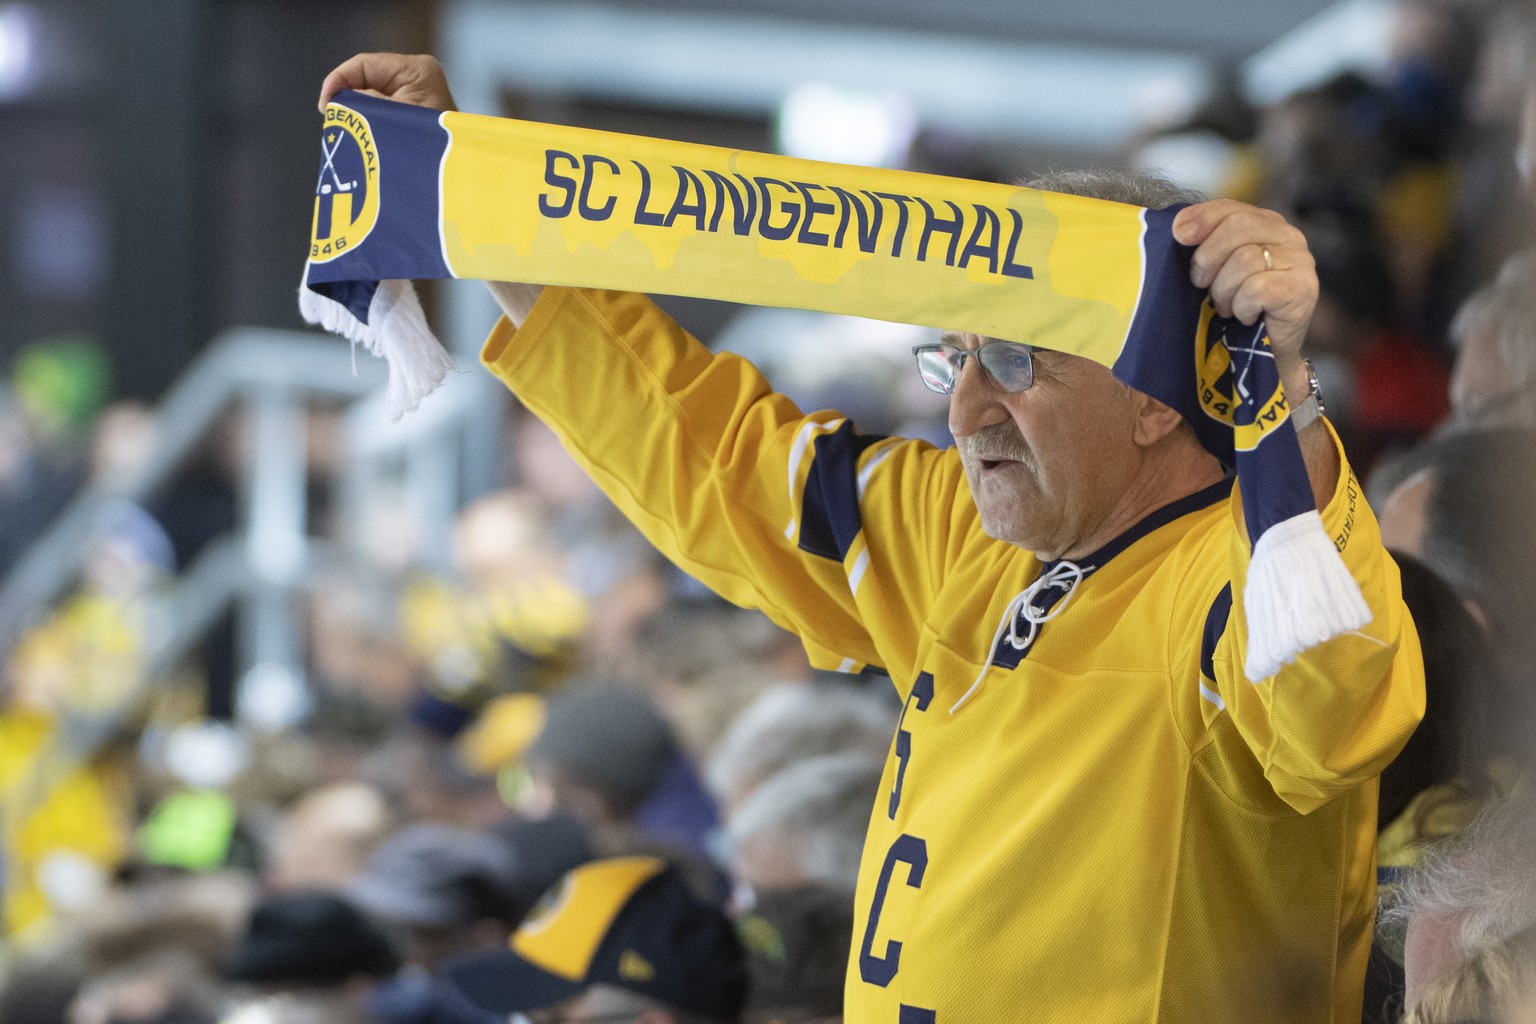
<point x="913" y="852"/>
<point x="922" y="695"/>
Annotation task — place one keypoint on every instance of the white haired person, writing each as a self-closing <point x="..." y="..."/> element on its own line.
<point x="1468" y="891"/>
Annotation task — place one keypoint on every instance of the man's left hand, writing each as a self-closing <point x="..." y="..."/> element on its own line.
<point x="1230" y="240"/>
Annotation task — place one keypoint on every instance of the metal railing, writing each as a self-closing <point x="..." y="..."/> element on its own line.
<point x="442" y="455"/>
<point x="265" y="567"/>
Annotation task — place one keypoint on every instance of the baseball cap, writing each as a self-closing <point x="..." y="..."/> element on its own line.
<point x="605" y="736"/>
<point x="500" y="735"/>
<point x="309" y="938"/>
<point x="436" y="876"/>
<point x="630" y="922"/>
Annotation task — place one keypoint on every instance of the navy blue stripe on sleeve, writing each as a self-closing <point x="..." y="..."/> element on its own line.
<point x="1215" y="625"/>
<point x="829" y="509"/>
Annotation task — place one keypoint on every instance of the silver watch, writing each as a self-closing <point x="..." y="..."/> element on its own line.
<point x="1303" y="415"/>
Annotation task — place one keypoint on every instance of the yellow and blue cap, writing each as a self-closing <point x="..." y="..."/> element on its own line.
<point x="625" y="921"/>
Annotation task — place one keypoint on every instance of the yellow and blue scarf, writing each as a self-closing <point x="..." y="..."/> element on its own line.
<point x="408" y="193"/>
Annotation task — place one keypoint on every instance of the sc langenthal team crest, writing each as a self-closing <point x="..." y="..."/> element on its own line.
<point x="347" y="194"/>
<point x="1239" y="384"/>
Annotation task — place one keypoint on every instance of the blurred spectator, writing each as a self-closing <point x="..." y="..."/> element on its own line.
<point x="541" y="851"/>
<point x="607" y="757"/>
<point x="622" y="938"/>
<point x="703" y="660"/>
<point x="452" y="892"/>
<point x="1476" y="889"/>
<point x="1494" y="215"/>
<point x="514" y="623"/>
<point x="344" y="731"/>
<point x="1452" y="765"/>
<point x="89" y="654"/>
<point x="1465" y="511"/>
<point x="314" y="944"/>
<point x="1433" y="56"/>
<point x="68" y="806"/>
<point x="797" y="943"/>
<point x="1447" y="770"/>
<point x="62" y="383"/>
<point x="192" y="830"/>
<point x="1423" y="116"/>
<point x="806" y="824"/>
<point x="122" y="443"/>
<point x="424" y="768"/>
<point x="160" y="987"/>
<point x="789" y="724"/>
<point x="606" y="560"/>
<point x="39" y="984"/>
<point x="57" y="386"/>
<point x="153" y="952"/>
<point x="1384" y="387"/>
<point x="1323" y="147"/>
<point x="448" y="889"/>
<point x="325" y="839"/>
<point x="199" y="506"/>
<point x="357" y="651"/>
<point x="501" y="734"/>
<point x="1496" y="985"/>
<point x="1380" y="150"/>
<point x="1494" y="380"/>
<point x="66" y="823"/>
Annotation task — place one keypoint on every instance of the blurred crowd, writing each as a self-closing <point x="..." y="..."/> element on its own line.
<point x="564" y="738"/>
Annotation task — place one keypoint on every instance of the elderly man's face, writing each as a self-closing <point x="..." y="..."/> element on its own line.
<point x="1046" y="465"/>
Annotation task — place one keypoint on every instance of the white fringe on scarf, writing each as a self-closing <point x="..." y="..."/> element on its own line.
<point x="397" y="331"/>
<point x="1299" y="593"/>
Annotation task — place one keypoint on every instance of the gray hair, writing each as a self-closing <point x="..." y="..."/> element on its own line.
<point x="792" y="722"/>
<point x="1507" y="306"/>
<point x="1138" y="188"/>
<point x="820" y="809"/>
<point x="1495" y="984"/>
<point x="1485" y="878"/>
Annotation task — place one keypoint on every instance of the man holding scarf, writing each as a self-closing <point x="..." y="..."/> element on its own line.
<point x="1089" y="813"/>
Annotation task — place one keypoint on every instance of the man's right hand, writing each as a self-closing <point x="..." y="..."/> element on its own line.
<point x="419" y="80"/>
<point x="392" y="76"/>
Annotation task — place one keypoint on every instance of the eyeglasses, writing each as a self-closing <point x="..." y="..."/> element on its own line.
<point x="1007" y="365"/>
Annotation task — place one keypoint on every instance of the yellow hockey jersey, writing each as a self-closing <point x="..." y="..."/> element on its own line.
<point x="1117" y="826"/>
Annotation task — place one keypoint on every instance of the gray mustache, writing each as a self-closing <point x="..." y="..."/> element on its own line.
<point x="999" y="441"/>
